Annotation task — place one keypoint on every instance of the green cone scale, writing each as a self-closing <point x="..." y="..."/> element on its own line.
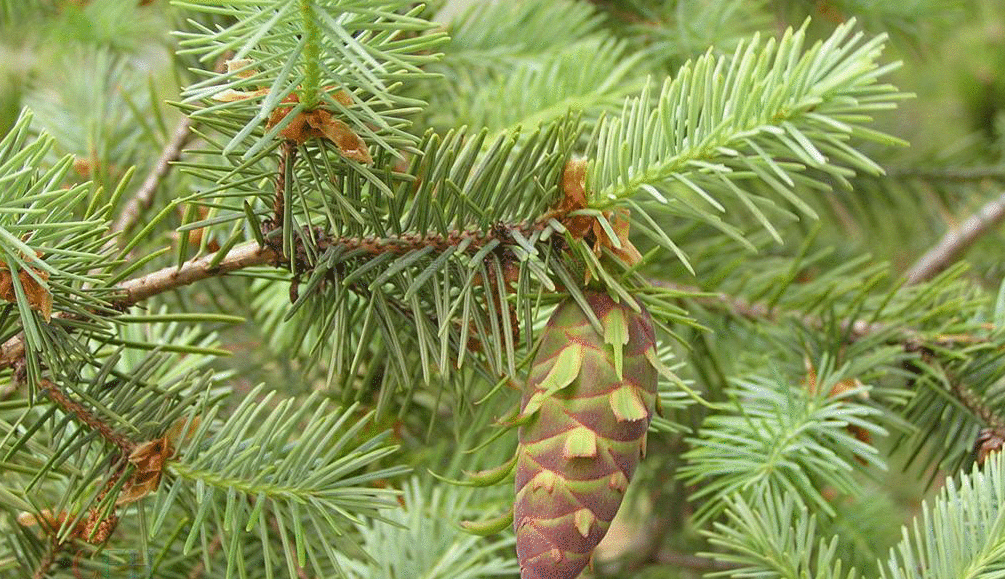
<point x="586" y="407"/>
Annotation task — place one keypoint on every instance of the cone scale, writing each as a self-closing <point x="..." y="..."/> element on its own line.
<point x="586" y="408"/>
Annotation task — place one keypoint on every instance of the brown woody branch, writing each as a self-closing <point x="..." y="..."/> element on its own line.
<point x="144" y="196"/>
<point x="972" y="402"/>
<point x="991" y="438"/>
<point x="94" y="528"/>
<point x="737" y="305"/>
<point x="151" y="284"/>
<point x="668" y="557"/>
<point x="243" y="256"/>
<point x="86" y="417"/>
<point x="47" y="560"/>
<point x="743" y="308"/>
<point x="957" y="241"/>
<point x="286" y="159"/>
<point x="250" y="254"/>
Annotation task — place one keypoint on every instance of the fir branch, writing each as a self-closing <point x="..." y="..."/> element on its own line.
<point x="978" y="173"/>
<point x="47" y="561"/>
<point x="775" y="535"/>
<point x="427" y="517"/>
<point x="799" y="441"/>
<point x="494" y="34"/>
<point x="537" y="92"/>
<point x="856" y="329"/>
<point x="310" y="467"/>
<point x="86" y="417"/>
<point x="695" y="562"/>
<point x="144" y="196"/>
<point x="360" y="51"/>
<point x="169" y="278"/>
<point x="966" y="428"/>
<point x="674" y="30"/>
<point x="957" y="241"/>
<point x="976" y="405"/>
<point x="959" y="534"/>
<point x="250" y="254"/>
<point x="770" y="116"/>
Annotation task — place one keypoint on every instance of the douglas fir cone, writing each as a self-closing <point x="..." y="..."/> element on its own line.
<point x="586" y="408"/>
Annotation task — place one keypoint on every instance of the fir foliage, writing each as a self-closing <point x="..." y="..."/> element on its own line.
<point x="962" y="534"/>
<point x="779" y="437"/>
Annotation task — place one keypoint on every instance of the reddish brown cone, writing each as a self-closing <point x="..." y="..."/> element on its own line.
<point x="588" y="402"/>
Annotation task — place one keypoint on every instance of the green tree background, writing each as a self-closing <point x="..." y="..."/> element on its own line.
<point x="273" y="270"/>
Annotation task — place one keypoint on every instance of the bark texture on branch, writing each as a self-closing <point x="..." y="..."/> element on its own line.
<point x="242" y="256"/>
<point x="250" y="254"/>
<point x="957" y="241"/>
<point x="138" y="289"/>
<point x="144" y="196"/>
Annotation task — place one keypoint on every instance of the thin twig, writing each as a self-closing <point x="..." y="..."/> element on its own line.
<point x="286" y="159"/>
<point x="169" y="278"/>
<point x="250" y="254"/>
<point x="957" y="241"/>
<point x="996" y="172"/>
<point x="743" y="308"/>
<point x="143" y="287"/>
<point x="737" y="305"/>
<point x="856" y="329"/>
<point x="47" y="561"/>
<point x="85" y="417"/>
<point x="668" y="557"/>
<point x="144" y="196"/>
<point x="972" y="402"/>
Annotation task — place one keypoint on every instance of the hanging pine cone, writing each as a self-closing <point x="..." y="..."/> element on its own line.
<point x="587" y="405"/>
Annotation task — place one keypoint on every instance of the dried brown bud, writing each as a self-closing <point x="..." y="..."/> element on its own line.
<point x="839" y="388"/>
<point x="37" y="294"/>
<point x="150" y="458"/>
<point x="989" y="440"/>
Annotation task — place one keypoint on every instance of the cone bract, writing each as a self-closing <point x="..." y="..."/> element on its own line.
<point x="587" y="405"/>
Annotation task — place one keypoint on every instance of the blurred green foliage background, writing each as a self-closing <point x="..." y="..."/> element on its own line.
<point x="99" y="76"/>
